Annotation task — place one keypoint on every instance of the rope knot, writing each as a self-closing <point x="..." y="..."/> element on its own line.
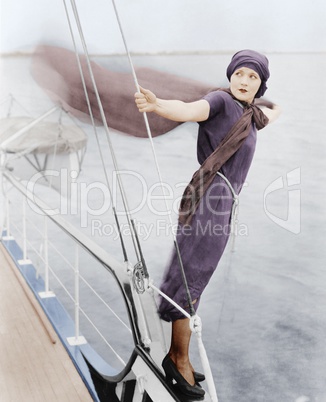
<point x="195" y="324"/>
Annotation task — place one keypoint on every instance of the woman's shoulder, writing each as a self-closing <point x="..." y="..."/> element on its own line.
<point x="218" y="100"/>
<point x="218" y="93"/>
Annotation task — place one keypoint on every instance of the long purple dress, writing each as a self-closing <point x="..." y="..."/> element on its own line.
<point x="202" y="245"/>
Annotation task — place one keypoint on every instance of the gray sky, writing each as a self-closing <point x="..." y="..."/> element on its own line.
<point x="169" y="25"/>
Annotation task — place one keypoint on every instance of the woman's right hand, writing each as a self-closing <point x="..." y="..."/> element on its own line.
<point x="145" y="100"/>
<point x="172" y="109"/>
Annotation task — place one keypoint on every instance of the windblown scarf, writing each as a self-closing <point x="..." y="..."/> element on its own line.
<point x="204" y="176"/>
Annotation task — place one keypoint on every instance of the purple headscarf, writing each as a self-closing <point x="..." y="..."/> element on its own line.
<point x="254" y="60"/>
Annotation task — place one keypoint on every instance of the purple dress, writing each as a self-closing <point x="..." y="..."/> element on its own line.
<point x="202" y="245"/>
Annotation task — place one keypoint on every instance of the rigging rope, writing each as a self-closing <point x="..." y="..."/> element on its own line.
<point x="194" y="319"/>
<point x="189" y="299"/>
<point x="74" y="8"/>
<point x="140" y="266"/>
<point x="12" y="100"/>
<point x="233" y="234"/>
<point x="195" y="322"/>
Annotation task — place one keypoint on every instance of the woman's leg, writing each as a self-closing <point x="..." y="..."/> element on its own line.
<point x="179" y="350"/>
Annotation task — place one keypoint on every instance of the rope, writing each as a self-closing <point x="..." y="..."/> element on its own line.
<point x="194" y="319"/>
<point x="192" y="311"/>
<point x="234" y="210"/>
<point x="92" y="118"/>
<point x="13" y="100"/>
<point x="184" y="312"/>
<point x="234" y="221"/>
<point x="211" y="385"/>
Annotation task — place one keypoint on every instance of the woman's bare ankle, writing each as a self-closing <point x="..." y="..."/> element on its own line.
<point x="184" y="367"/>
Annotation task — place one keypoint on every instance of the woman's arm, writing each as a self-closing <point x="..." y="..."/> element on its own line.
<point x="271" y="110"/>
<point x="175" y="110"/>
<point x="272" y="114"/>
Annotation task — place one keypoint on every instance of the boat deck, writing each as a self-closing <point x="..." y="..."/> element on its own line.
<point x="34" y="365"/>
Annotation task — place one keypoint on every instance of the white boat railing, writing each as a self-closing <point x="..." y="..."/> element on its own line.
<point x="17" y="227"/>
<point x="145" y="333"/>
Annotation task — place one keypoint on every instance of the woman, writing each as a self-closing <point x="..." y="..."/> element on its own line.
<point x="228" y="122"/>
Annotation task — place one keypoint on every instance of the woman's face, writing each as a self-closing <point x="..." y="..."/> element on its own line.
<point x="245" y="83"/>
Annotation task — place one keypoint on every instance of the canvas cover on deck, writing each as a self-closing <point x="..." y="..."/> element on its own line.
<point x="44" y="137"/>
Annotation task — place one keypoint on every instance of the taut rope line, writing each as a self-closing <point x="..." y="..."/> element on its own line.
<point x="192" y="311"/>
<point x="107" y="131"/>
<point x="140" y="266"/>
<point x="95" y="131"/>
<point x="195" y="321"/>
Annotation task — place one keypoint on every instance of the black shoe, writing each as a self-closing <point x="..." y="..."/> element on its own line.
<point x="199" y="377"/>
<point x="172" y="373"/>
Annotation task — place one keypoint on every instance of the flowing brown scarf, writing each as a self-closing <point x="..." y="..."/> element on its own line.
<point x="204" y="176"/>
